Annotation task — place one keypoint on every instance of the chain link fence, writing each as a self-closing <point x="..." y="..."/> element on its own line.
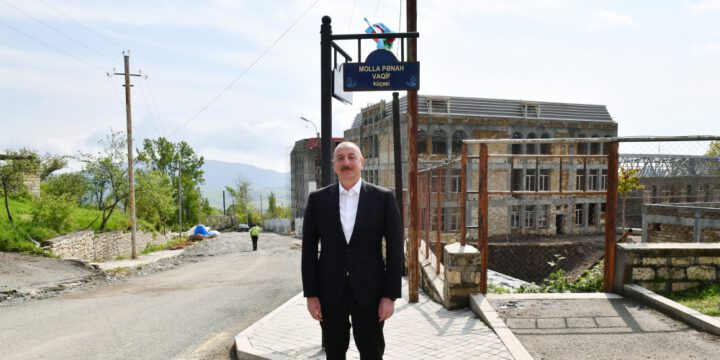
<point x="669" y="191"/>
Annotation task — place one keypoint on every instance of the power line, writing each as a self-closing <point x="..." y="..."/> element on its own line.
<point x="52" y="47"/>
<point x="245" y="71"/>
<point x="157" y="112"/>
<point x="352" y="14"/>
<point x="149" y="108"/>
<point x="58" y="31"/>
<point x="84" y="26"/>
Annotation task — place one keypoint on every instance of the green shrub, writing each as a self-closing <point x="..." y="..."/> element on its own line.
<point x="559" y="282"/>
<point x="15" y="238"/>
<point x="53" y="212"/>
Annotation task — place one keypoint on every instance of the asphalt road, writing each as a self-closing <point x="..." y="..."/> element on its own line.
<point x="190" y="311"/>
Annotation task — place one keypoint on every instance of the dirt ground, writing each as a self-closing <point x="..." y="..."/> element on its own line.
<point x="28" y="274"/>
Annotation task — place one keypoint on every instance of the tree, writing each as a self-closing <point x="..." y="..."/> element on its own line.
<point x="628" y="181"/>
<point x="51" y="163"/>
<point x="106" y="173"/>
<point x="12" y="174"/>
<point x="713" y="149"/>
<point x="241" y="197"/>
<point x="171" y="158"/>
<point x="73" y="185"/>
<point x="272" y="205"/>
<point x="155" y="201"/>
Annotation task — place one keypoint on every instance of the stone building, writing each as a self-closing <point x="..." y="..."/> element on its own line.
<point x="670" y="179"/>
<point x="445" y="121"/>
<point x="305" y="171"/>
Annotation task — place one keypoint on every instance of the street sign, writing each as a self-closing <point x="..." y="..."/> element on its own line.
<point x="381" y="71"/>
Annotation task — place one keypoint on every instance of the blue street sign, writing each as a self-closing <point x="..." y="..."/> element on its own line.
<point x="381" y="71"/>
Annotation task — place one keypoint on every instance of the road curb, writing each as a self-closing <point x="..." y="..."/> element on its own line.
<point x="482" y="307"/>
<point x="243" y="347"/>
<point x="671" y="308"/>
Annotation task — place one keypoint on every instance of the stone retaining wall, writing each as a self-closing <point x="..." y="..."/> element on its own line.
<point x="666" y="268"/>
<point x="99" y="247"/>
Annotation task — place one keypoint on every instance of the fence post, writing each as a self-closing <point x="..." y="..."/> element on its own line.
<point x="463" y="195"/>
<point x="611" y="218"/>
<point x="483" y="216"/>
<point x="438" y="218"/>
<point x="428" y="210"/>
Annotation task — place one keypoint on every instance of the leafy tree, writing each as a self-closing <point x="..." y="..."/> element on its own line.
<point x="53" y="212"/>
<point x="272" y="205"/>
<point x="628" y="181"/>
<point x="51" y="163"/>
<point x="713" y="149"/>
<point x="74" y="185"/>
<point x="106" y="173"/>
<point x="12" y="174"/>
<point x="241" y="196"/>
<point x="173" y="158"/>
<point x="154" y="201"/>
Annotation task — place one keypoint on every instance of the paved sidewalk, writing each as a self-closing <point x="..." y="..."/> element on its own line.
<point x="424" y="330"/>
<point x="141" y="260"/>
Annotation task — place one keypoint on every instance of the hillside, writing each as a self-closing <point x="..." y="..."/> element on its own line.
<point x="219" y="174"/>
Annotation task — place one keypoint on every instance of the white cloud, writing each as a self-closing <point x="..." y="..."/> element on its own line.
<point x="601" y="19"/>
<point x="705" y="7"/>
<point x="709" y="49"/>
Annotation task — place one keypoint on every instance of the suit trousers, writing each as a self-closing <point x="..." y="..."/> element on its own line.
<point x="367" y="330"/>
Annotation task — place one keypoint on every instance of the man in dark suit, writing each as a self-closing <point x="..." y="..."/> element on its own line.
<point x="349" y="220"/>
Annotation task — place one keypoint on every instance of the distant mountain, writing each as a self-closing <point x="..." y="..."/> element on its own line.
<point x="219" y="174"/>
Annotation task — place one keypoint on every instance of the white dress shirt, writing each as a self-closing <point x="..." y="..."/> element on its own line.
<point x="349" y="200"/>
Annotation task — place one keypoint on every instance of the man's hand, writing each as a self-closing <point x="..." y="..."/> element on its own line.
<point x="385" y="309"/>
<point x="313" y="306"/>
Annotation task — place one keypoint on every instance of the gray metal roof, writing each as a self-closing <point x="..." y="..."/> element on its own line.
<point x="499" y="108"/>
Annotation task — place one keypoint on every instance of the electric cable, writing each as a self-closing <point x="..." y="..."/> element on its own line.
<point x="59" y="32"/>
<point x="53" y="47"/>
<point x="83" y="25"/>
<point x="232" y="83"/>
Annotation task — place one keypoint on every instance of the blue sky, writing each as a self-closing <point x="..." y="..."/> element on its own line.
<point x="655" y="64"/>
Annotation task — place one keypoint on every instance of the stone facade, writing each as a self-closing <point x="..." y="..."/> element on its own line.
<point x="683" y="222"/>
<point x="667" y="268"/>
<point x="445" y="121"/>
<point x="99" y="247"/>
<point x="462" y="275"/>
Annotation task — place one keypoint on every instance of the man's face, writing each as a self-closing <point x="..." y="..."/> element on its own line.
<point x="347" y="163"/>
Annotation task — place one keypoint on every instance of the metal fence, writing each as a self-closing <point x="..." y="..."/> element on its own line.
<point x="536" y="206"/>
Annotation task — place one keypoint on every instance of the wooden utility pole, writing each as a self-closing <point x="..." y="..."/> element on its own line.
<point x="180" y="199"/>
<point x="414" y="206"/>
<point x="131" y="171"/>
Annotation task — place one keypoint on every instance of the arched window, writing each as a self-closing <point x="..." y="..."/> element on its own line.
<point x="517" y="148"/>
<point x="439" y="142"/>
<point x="595" y="147"/>
<point x="457" y="138"/>
<point x="545" y="148"/>
<point x="531" y="148"/>
<point x="422" y="142"/>
<point x="582" y="147"/>
<point x="606" y="147"/>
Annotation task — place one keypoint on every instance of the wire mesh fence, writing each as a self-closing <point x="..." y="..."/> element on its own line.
<point x="537" y="206"/>
<point x="674" y="191"/>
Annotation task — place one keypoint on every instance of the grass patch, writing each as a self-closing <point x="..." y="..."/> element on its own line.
<point x="153" y="248"/>
<point x="704" y="299"/>
<point x="15" y="237"/>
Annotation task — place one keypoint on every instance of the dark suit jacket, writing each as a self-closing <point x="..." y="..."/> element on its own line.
<point x="371" y="277"/>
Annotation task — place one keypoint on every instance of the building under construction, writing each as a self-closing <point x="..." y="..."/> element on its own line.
<point x="444" y="122"/>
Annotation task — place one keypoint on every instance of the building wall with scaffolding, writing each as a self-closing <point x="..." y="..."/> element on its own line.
<point x="445" y="121"/>
<point x="305" y="159"/>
